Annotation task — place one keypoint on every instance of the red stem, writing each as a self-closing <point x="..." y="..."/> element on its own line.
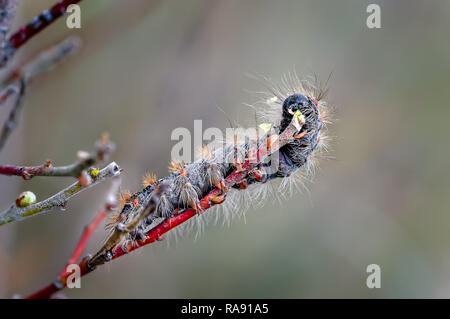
<point x="60" y="282"/>
<point x="39" y="23"/>
<point x="49" y="290"/>
<point x="88" y="230"/>
<point x="21" y="170"/>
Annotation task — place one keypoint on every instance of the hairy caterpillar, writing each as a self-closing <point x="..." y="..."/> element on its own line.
<point x="188" y="183"/>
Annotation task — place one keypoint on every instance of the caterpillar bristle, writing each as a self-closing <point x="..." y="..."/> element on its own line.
<point x="165" y="208"/>
<point x="105" y="138"/>
<point x="323" y="143"/>
<point x="290" y="185"/>
<point x="114" y="218"/>
<point x="148" y="179"/>
<point x="175" y="166"/>
<point x="123" y="197"/>
<point x="205" y="151"/>
<point x="189" y="196"/>
<point x="215" y="176"/>
<point x="311" y="165"/>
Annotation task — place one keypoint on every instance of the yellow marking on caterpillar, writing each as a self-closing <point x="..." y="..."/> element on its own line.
<point x="299" y="119"/>
<point x="265" y="127"/>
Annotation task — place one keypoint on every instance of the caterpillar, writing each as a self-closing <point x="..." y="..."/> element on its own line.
<point x="187" y="184"/>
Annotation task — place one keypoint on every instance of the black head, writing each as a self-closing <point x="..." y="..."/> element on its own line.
<point x="297" y="102"/>
<point x="294" y="154"/>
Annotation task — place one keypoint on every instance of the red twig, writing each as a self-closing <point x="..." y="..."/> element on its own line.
<point x="40" y="22"/>
<point x="158" y="231"/>
<point x="88" y="230"/>
<point x="22" y="170"/>
<point x="47" y="169"/>
<point x="49" y="290"/>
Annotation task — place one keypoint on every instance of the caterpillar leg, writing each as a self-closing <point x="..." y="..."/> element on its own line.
<point x="219" y="199"/>
<point x="241" y="185"/>
<point x="216" y="177"/>
<point x="259" y="175"/>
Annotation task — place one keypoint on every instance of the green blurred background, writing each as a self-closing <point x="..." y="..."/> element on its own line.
<point x="147" y="67"/>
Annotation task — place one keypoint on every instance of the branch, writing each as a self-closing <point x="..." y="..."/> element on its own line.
<point x="59" y="200"/>
<point x="86" y="160"/>
<point x="26" y="32"/>
<point x="7" y="13"/>
<point x="274" y="143"/>
<point x="11" y="122"/>
<point x="16" y="83"/>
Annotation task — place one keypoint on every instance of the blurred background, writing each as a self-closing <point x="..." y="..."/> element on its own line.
<point x="148" y="66"/>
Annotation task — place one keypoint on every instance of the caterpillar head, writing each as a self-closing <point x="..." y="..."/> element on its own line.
<point x="294" y="103"/>
<point x="295" y="154"/>
<point x="304" y="104"/>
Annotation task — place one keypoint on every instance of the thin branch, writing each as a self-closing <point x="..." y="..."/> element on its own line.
<point x="45" y="61"/>
<point x="7" y="92"/>
<point x="87" y="232"/>
<point x="26" y="32"/>
<point x="59" y="200"/>
<point x="17" y="82"/>
<point x="103" y="147"/>
<point x="89" y="264"/>
<point x="27" y="172"/>
<point x="51" y="57"/>
<point x="11" y="122"/>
